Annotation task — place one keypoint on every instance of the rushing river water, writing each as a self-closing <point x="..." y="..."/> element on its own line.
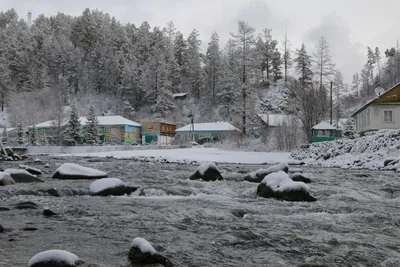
<point x="355" y="221"/>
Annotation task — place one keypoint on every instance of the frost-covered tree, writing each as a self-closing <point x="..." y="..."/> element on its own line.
<point x="92" y="125"/>
<point x="20" y="134"/>
<point x="355" y="86"/>
<point x="244" y="42"/>
<point x="286" y="54"/>
<point x="4" y="137"/>
<point x="303" y="66"/>
<point x="33" y="136"/>
<point x="193" y="63"/>
<point x="324" y="67"/>
<point x="73" y="130"/>
<point x="213" y="64"/>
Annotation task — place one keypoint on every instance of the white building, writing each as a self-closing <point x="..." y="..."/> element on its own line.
<point x="382" y="112"/>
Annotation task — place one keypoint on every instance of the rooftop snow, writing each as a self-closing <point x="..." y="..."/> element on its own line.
<point x="323" y="125"/>
<point x="208" y="126"/>
<point x="275" y="119"/>
<point x="103" y="120"/>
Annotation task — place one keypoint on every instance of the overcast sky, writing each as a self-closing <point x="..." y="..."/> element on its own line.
<point x="349" y="25"/>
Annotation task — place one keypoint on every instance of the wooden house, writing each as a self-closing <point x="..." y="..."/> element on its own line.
<point x="115" y="130"/>
<point x="155" y="132"/>
<point x="205" y="132"/>
<point x="323" y="132"/>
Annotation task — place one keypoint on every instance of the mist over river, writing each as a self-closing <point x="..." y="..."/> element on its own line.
<point x="355" y="221"/>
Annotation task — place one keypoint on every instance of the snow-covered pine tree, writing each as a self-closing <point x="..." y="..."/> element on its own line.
<point x="213" y="64"/>
<point x="287" y="54"/>
<point x="33" y="137"/>
<point x="244" y="42"/>
<point x="193" y="63"/>
<point x="303" y="66"/>
<point x="349" y="129"/>
<point x="92" y="131"/>
<point x="20" y="134"/>
<point x="73" y="130"/>
<point x="165" y="101"/>
<point x="4" y="138"/>
<point x="127" y="110"/>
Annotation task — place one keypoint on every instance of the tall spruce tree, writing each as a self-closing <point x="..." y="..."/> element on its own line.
<point x="92" y="131"/>
<point x="73" y="130"/>
<point x="213" y="64"/>
<point x="303" y="66"/>
<point x="244" y="42"/>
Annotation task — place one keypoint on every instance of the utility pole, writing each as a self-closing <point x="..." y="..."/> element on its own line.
<point x="331" y="103"/>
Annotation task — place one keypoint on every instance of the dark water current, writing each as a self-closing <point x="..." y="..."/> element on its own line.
<point x="355" y="222"/>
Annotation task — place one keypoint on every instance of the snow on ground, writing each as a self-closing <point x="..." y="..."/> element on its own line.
<point x="61" y="256"/>
<point x="143" y="245"/>
<point x="368" y="152"/>
<point x="105" y="183"/>
<point x="193" y="155"/>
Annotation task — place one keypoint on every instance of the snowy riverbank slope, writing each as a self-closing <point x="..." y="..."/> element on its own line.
<point x="378" y="151"/>
<point x="192" y="155"/>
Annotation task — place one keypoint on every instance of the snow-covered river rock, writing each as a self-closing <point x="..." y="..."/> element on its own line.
<point x="354" y="222"/>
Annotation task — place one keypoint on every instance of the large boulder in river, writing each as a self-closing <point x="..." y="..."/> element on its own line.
<point x="22" y="176"/>
<point x="143" y="253"/>
<point x="6" y="179"/>
<point x="55" y="258"/>
<point x="207" y="171"/>
<point x="258" y="176"/>
<point x="31" y="170"/>
<point x="279" y="185"/>
<point x="72" y="171"/>
<point x="110" y="187"/>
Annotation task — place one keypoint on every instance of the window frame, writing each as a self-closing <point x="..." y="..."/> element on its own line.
<point x="392" y="116"/>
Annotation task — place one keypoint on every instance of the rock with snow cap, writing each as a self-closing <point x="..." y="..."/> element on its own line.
<point x="258" y="176"/>
<point x="278" y="185"/>
<point x="110" y="187"/>
<point x="22" y="176"/>
<point x="207" y="171"/>
<point x="299" y="177"/>
<point x="143" y="253"/>
<point x="72" y="171"/>
<point x="6" y="179"/>
<point x="55" y="258"/>
<point x="31" y="170"/>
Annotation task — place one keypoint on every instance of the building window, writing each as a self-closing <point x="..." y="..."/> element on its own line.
<point x="388" y="116"/>
<point x="150" y="128"/>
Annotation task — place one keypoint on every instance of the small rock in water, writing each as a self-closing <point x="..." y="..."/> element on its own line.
<point x="53" y="192"/>
<point x="29" y="229"/>
<point x="38" y="161"/>
<point x="31" y="170"/>
<point x="49" y="213"/>
<point x="142" y="252"/>
<point x="239" y="213"/>
<point x="46" y="165"/>
<point x="4" y="209"/>
<point x="1" y="229"/>
<point x="22" y="176"/>
<point x="55" y="258"/>
<point x="258" y="176"/>
<point x="74" y="171"/>
<point x="207" y="172"/>
<point x="110" y="187"/>
<point x="27" y="205"/>
<point x="6" y="179"/>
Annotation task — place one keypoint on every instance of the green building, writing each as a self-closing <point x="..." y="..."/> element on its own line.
<point x="323" y="132"/>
